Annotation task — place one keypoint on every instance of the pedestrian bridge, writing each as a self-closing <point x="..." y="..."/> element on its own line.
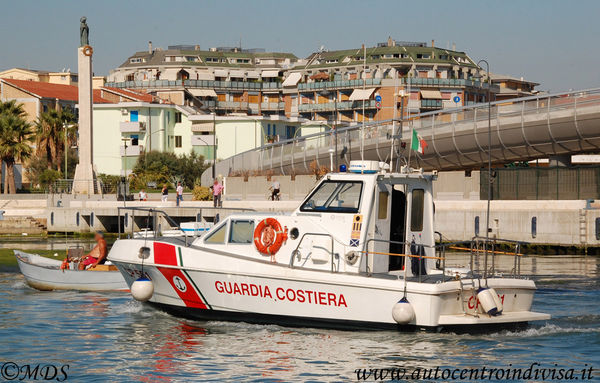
<point x="523" y="129"/>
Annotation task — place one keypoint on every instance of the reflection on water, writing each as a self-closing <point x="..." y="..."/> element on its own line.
<point x="111" y="337"/>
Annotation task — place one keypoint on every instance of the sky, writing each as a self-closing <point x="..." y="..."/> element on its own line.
<point x="551" y="42"/>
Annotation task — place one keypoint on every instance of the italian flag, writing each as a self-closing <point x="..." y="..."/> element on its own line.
<point x="417" y="143"/>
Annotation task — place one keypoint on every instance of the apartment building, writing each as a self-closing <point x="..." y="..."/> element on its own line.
<point x="331" y="86"/>
<point x="221" y="80"/>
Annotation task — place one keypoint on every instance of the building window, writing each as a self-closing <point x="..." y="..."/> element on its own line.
<point x="178" y="141"/>
<point x="177" y="117"/>
<point x="133" y="116"/>
<point x="135" y="140"/>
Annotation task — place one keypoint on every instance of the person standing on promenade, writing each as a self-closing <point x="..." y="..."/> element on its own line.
<point x="179" y="192"/>
<point x="217" y="189"/>
<point x="164" y="193"/>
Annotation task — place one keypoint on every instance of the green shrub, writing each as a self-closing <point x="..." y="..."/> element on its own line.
<point x="201" y="193"/>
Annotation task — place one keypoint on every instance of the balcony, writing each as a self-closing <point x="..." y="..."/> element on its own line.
<point x="203" y="140"/>
<point x="331" y="106"/>
<point x="132" y="127"/>
<point x="232" y="105"/>
<point x="272" y="105"/>
<point x="446" y="83"/>
<point x="131" y="151"/>
<point x="349" y="84"/>
<point x="431" y="104"/>
<point x="210" y="84"/>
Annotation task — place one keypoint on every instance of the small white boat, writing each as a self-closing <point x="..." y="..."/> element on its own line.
<point x="45" y="274"/>
<point x="359" y="252"/>
<point x="192" y="229"/>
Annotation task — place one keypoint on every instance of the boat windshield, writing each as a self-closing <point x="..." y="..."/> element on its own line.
<point x="335" y="197"/>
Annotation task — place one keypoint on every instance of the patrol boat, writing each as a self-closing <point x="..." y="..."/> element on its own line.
<point x="358" y="252"/>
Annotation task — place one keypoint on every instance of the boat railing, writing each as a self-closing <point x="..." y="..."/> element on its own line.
<point x="488" y="248"/>
<point x="439" y="256"/>
<point x="296" y="251"/>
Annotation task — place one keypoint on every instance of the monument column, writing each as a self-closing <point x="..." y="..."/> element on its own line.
<point x="85" y="181"/>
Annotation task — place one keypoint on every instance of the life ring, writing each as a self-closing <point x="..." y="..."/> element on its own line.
<point x="88" y="50"/>
<point x="269" y="236"/>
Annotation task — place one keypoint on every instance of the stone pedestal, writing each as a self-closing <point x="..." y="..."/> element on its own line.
<point x="85" y="181"/>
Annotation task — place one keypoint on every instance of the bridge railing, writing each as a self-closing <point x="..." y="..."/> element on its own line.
<point x="306" y="154"/>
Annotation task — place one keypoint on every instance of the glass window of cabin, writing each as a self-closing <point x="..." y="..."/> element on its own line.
<point x="335" y="197"/>
<point x="241" y="231"/>
<point x="416" y="210"/>
<point x="383" y="205"/>
<point x="217" y="236"/>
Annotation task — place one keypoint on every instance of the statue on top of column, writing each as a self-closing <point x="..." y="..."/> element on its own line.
<point x="84" y="32"/>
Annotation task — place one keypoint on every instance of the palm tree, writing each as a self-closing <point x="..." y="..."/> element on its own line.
<point x="15" y="140"/>
<point x="50" y="135"/>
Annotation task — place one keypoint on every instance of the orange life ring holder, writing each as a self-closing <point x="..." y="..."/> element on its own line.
<point x="269" y="236"/>
<point x="88" y="50"/>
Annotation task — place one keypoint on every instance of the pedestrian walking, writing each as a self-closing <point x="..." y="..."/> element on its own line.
<point x="179" y="192"/>
<point x="217" y="190"/>
<point x="164" y="193"/>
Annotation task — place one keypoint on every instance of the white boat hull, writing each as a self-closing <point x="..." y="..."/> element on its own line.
<point x="218" y="286"/>
<point x="45" y="274"/>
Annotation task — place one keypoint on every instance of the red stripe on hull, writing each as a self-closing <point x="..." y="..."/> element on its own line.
<point x="165" y="254"/>
<point x="183" y="287"/>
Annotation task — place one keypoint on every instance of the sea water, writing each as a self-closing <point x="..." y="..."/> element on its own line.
<point x="110" y="337"/>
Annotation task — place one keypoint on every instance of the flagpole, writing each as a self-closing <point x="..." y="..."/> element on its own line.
<point x="412" y="136"/>
<point x="362" y="129"/>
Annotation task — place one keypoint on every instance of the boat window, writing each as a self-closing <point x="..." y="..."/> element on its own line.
<point x="335" y="197"/>
<point x="383" y="205"/>
<point x="241" y="231"/>
<point x="217" y="236"/>
<point x="416" y="210"/>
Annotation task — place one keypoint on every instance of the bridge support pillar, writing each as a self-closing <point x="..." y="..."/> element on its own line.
<point x="561" y="161"/>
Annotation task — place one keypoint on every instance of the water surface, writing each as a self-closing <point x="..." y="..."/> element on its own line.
<point x="111" y="337"/>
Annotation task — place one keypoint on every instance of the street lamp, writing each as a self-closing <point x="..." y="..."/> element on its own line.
<point x="214" y="145"/>
<point x="489" y="102"/>
<point x="65" y="126"/>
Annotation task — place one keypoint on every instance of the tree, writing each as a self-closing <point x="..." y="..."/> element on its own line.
<point x="50" y="129"/>
<point x="163" y="168"/>
<point x="15" y="140"/>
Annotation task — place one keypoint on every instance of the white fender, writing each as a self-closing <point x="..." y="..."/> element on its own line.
<point x="487" y="301"/>
<point x="497" y="301"/>
<point x="403" y="312"/>
<point x="142" y="289"/>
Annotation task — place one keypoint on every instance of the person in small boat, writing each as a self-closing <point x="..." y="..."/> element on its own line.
<point x="98" y="254"/>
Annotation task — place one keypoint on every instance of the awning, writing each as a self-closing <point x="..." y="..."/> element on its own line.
<point x="431" y="94"/>
<point x="361" y="94"/>
<point x="202" y="92"/>
<point x="292" y="79"/>
<point x="270" y="73"/>
<point x="252" y="74"/>
<point x="220" y="73"/>
<point x="236" y="73"/>
<point x="202" y="127"/>
<point x="205" y="76"/>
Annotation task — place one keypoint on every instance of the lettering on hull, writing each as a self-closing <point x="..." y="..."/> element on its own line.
<point x="282" y="294"/>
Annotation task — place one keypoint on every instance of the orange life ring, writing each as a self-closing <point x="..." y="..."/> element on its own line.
<point x="88" y="50"/>
<point x="268" y="236"/>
